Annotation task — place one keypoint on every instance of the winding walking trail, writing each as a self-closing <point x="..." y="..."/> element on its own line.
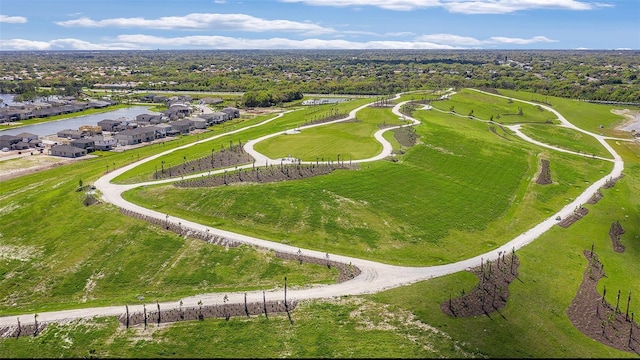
<point x="374" y="276"/>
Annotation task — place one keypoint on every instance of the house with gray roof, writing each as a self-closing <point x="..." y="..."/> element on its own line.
<point x="148" y="118"/>
<point x="109" y="125"/>
<point x="26" y="137"/>
<point x="210" y="101"/>
<point x="216" y="117"/>
<point x="136" y="136"/>
<point x="232" y="112"/>
<point x="199" y="123"/>
<point x="84" y="143"/>
<point x="67" y="151"/>
<point x="69" y="134"/>
<point x="7" y="141"/>
<point x="104" y="143"/>
<point x="182" y="126"/>
<point x="47" y="112"/>
<point x="21" y="145"/>
<point x="10" y="114"/>
<point x="98" y="104"/>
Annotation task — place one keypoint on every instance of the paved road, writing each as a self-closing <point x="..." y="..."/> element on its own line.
<point x="375" y="276"/>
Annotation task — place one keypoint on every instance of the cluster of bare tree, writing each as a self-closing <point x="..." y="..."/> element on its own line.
<point x="225" y="157"/>
<point x="595" y="317"/>
<point x="491" y="292"/>
<point x="271" y="173"/>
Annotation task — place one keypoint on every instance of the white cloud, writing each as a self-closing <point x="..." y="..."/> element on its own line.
<point x="76" y="44"/>
<point x="461" y="6"/>
<point x="206" y="21"/>
<point x="518" y="41"/>
<point x="62" y="44"/>
<point x="12" y="19"/>
<point x="451" y="39"/>
<point x="457" y="40"/>
<point x="399" y="5"/>
<point x="142" y="41"/>
<point x="509" y="6"/>
<point x="223" y="42"/>
<point x="22" y="44"/>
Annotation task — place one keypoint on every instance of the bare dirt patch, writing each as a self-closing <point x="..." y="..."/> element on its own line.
<point x="632" y="121"/>
<point x="28" y="164"/>
<point x="21" y="253"/>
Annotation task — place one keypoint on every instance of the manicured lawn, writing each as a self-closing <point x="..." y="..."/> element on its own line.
<point x="565" y="138"/>
<point x="534" y="322"/>
<point x="596" y="118"/>
<point x="462" y="190"/>
<point x="348" y="328"/>
<point x="56" y="253"/>
<point x="487" y="107"/>
<point x="350" y="140"/>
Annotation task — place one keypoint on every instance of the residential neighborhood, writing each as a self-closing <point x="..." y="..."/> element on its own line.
<point x="180" y="118"/>
<point x="48" y="108"/>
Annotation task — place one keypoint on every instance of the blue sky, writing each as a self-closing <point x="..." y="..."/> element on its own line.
<point x="319" y="24"/>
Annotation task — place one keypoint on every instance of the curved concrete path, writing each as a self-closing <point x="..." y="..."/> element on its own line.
<point x="374" y="277"/>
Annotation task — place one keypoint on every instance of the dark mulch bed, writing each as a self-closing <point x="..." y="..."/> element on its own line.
<point x="491" y="292"/>
<point x="599" y="320"/>
<point x="614" y="233"/>
<point x="265" y="174"/>
<point x="612" y="182"/>
<point x="225" y="157"/>
<point x="577" y="215"/>
<point x="544" y="178"/>
<point x="406" y="136"/>
<point x="595" y="197"/>
<point x="156" y="315"/>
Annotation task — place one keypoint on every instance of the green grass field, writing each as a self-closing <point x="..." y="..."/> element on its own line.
<point x="461" y="179"/>
<point x="462" y="190"/>
<point x="352" y="140"/>
<point x="595" y="118"/>
<point x="486" y="107"/>
<point x="565" y="138"/>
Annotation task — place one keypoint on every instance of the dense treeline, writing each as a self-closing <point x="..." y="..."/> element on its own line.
<point x="266" y="98"/>
<point x="274" y="76"/>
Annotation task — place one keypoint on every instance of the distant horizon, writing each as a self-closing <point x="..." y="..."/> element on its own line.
<point x="148" y="25"/>
<point x="331" y="50"/>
